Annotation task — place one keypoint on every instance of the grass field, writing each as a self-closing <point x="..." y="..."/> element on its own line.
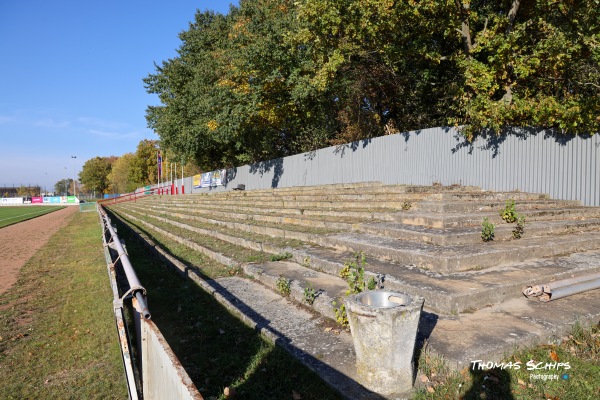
<point x="58" y="338"/>
<point x="11" y="215"/>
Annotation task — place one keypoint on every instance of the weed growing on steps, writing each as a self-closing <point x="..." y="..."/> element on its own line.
<point x="510" y="215"/>
<point x="341" y="316"/>
<point x="487" y="230"/>
<point x="281" y="256"/>
<point x="306" y="262"/>
<point x="517" y="233"/>
<point x="310" y="294"/>
<point x="234" y="270"/>
<point x="283" y="285"/>
<point x="354" y="273"/>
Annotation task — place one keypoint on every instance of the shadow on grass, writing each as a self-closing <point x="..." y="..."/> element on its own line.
<point x="215" y="347"/>
<point x="492" y="384"/>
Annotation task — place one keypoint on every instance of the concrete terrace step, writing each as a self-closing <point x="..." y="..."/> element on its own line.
<point x="390" y="194"/>
<point x="313" y="230"/>
<point x="304" y="204"/>
<point x="308" y="234"/>
<point x="365" y="187"/>
<point x="485" y="334"/>
<point x="288" y="219"/>
<point x="447" y="294"/>
<point x="472" y="235"/>
<point x="488" y="206"/>
<point x="329" y="290"/>
<point x="487" y="196"/>
<point x="446" y="259"/>
<point x="227" y="197"/>
<point x="360" y="214"/>
<point x="452" y="220"/>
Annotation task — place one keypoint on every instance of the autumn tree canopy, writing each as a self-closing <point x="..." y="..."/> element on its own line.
<point x="277" y="77"/>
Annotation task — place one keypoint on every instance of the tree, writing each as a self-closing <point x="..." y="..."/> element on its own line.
<point x="143" y="165"/>
<point x="28" y="191"/>
<point x="385" y="62"/>
<point x="120" y="175"/>
<point x="529" y="64"/>
<point x="94" y="173"/>
<point x="61" y="187"/>
<point x="230" y="98"/>
<point x="277" y="77"/>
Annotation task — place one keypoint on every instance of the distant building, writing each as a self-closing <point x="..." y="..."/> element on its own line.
<point x="13" y="191"/>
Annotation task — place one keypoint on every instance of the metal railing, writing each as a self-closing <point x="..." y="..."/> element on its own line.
<point x="151" y="368"/>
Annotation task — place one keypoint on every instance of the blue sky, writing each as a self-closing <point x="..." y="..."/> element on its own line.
<point x="71" y="79"/>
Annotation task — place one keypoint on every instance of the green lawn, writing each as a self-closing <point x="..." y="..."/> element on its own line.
<point x="11" y="215"/>
<point x="58" y="338"/>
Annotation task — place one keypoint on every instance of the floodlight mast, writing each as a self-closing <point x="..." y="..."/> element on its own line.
<point x="74" y="187"/>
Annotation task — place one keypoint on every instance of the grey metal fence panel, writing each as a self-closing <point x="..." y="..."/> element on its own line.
<point x="565" y="167"/>
<point x="163" y="376"/>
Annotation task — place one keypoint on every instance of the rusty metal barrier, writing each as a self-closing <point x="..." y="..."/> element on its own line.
<point x="151" y="368"/>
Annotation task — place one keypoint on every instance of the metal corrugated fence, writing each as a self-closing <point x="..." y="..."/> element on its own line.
<point x="565" y="167"/>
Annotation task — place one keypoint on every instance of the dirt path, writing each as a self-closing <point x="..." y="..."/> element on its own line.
<point x="19" y="242"/>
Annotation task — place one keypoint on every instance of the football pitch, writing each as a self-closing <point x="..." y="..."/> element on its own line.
<point x="11" y="215"/>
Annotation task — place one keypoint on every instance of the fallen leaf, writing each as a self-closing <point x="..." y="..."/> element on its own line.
<point x="424" y="378"/>
<point x="554" y="356"/>
<point x="296" y="396"/>
<point x="430" y="389"/>
<point x="520" y="381"/>
<point x="328" y="329"/>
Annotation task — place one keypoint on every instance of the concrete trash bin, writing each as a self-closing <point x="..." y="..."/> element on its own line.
<point x="384" y="330"/>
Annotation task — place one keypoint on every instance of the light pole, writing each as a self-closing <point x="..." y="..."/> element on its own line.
<point x="74" y="191"/>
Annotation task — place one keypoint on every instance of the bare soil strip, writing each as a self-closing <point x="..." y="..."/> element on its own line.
<point x="19" y="242"/>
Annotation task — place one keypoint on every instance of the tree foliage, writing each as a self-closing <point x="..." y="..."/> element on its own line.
<point x="62" y="187"/>
<point x="120" y="173"/>
<point x="530" y="63"/>
<point x="94" y="173"/>
<point x="143" y="165"/>
<point x="277" y="77"/>
<point x="28" y="191"/>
